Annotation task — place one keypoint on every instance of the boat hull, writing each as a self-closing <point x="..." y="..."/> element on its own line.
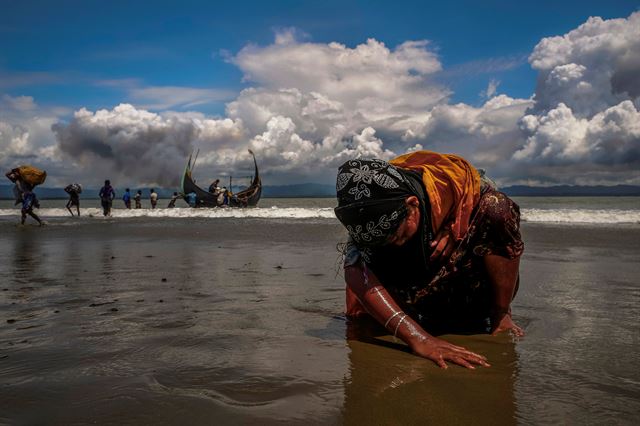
<point x="248" y="197"/>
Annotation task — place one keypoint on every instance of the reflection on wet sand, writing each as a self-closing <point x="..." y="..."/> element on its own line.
<point x="244" y="332"/>
<point x="187" y="327"/>
<point x="389" y="385"/>
<point x="26" y="258"/>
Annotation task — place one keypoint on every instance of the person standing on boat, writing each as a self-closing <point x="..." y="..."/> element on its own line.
<point x="214" y="188"/>
<point x="153" y="197"/>
<point x="107" y="194"/>
<point x="138" y="199"/>
<point x="127" y="198"/>
<point x="74" y="191"/>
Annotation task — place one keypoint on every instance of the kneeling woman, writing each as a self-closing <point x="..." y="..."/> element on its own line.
<point x="433" y="246"/>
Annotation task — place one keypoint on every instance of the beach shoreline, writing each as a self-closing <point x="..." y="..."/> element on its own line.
<point x="173" y="321"/>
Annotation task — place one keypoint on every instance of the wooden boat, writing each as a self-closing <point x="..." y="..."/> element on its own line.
<point x="248" y="197"/>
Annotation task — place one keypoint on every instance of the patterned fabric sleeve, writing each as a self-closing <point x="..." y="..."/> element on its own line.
<point x="499" y="228"/>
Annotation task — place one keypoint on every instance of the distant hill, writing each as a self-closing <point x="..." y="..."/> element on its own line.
<point x="302" y="190"/>
<point x="317" y="190"/>
<point x="572" y="191"/>
<point x="322" y="190"/>
<point x="44" y="193"/>
<point x="314" y="190"/>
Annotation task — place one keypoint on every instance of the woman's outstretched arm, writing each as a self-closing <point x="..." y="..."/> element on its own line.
<point x="379" y="304"/>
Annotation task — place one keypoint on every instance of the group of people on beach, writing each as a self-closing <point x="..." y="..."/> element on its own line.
<point x="24" y="194"/>
<point x="107" y="194"/>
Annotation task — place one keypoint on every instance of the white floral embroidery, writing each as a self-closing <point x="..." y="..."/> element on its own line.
<point x="366" y="175"/>
<point x="343" y="180"/>
<point x="363" y="174"/>
<point x="360" y="190"/>
<point x="385" y="181"/>
<point x="372" y="229"/>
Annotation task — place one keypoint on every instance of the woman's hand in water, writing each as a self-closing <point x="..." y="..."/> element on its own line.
<point x="441" y="351"/>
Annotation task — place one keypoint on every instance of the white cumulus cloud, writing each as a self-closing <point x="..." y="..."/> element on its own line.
<point x="310" y="106"/>
<point x="558" y="137"/>
<point x="590" y="68"/>
<point x="365" y="85"/>
<point x="586" y="112"/>
<point x="140" y="146"/>
<point x="25" y="134"/>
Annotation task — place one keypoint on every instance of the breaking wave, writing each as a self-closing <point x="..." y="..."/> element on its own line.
<point x="579" y="216"/>
<point x="569" y="216"/>
<point x="213" y="213"/>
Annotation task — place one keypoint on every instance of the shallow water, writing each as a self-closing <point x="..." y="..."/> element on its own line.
<point x="137" y="319"/>
<point x="183" y="321"/>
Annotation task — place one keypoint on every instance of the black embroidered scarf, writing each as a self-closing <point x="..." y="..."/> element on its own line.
<point x="371" y="199"/>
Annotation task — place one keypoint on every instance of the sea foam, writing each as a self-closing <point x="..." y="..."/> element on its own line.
<point x="578" y="216"/>
<point x="569" y="216"/>
<point x="213" y="213"/>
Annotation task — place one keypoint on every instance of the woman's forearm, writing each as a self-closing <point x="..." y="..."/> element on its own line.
<point x="379" y="303"/>
<point x="381" y="306"/>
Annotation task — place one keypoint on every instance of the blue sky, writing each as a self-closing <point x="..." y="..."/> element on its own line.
<point x="63" y="49"/>
<point x="475" y="81"/>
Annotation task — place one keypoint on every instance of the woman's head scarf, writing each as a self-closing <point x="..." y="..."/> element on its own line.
<point x="371" y="200"/>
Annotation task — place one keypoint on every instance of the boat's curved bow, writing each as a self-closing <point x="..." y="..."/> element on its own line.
<point x="248" y="197"/>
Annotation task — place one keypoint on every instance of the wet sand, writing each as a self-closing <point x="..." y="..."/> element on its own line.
<point x="168" y="321"/>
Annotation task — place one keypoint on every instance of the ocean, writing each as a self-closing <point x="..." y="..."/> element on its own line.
<point x="566" y="210"/>
<point x="228" y="316"/>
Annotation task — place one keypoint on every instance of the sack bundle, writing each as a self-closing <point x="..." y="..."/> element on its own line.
<point x="32" y="175"/>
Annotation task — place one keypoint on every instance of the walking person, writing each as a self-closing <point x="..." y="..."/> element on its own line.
<point x="138" y="199"/>
<point x="29" y="201"/>
<point x="20" y="186"/>
<point x="25" y="179"/>
<point x="74" y="191"/>
<point x="107" y="194"/>
<point x="127" y="198"/>
<point x="153" y="197"/>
